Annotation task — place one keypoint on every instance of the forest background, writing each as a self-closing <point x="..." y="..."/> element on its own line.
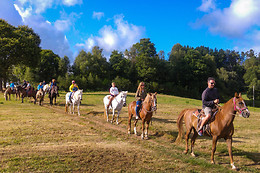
<point x="182" y="72"/>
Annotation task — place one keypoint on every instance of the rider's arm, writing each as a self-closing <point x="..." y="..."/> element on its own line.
<point x="71" y="88"/>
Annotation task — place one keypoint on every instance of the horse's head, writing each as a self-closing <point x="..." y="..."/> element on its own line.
<point x="240" y="106"/>
<point x="152" y="100"/>
<point x="123" y="97"/>
<point x="80" y="94"/>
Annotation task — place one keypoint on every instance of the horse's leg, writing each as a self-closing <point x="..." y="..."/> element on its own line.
<point x="135" y="122"/>
<point x="143" y="127"/>
<point x="78" y="110"/>
<point x="113" y="115"/>
<point x="129" y="121"/>
<point x="214" y="144"/>
<point x="146" y="130"/>
<point x="70" y="108"/>
<point x="107" y="113"/>
<point x="188" y="130"/>
<point x="55" y="101"/>
<point x="118" y="112"/>
<point x="195" y="135"/>
<point x="229" y="145"/>
<point x="73" y="108"/>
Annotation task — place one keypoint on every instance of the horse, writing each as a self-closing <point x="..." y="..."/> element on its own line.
<point x="40" y="96"/>
<point x="221" y="127"/>
<point x="149" y="105"/>
<point x="117" y="103"/>
<point x="31" y="93"/>
<point x="9" y="91"/>
<point x="53" y="94"/>
<point x="46" y="89"/>
<point x="76" y="99"/>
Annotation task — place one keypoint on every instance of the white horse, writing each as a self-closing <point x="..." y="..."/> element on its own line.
<point x="76" y="99"/>
<point x="118" y="102"/>
<point x="46" y="89"/>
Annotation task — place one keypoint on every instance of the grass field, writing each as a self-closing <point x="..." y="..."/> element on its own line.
<point x="44" y="139"/>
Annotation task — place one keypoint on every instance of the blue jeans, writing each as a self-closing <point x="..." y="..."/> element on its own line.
<point x="137" y="108"/>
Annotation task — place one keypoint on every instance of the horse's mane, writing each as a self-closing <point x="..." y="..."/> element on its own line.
<point x="147" y="98"/>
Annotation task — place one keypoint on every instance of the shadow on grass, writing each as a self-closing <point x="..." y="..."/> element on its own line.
<point x="172" y="121"/>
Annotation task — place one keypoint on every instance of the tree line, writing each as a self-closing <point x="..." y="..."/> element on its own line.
<point x="183" y="73"/>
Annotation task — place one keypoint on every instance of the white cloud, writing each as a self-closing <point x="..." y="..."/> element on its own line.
<point x="98" y="15"/>
<point x="120" y="38"/>
<point x="62" y="25"/>
<point x="207" y="5"/>
<point x="235" y="20"/>
<point x="240" y="21"/>
<point x="71" y="2"/>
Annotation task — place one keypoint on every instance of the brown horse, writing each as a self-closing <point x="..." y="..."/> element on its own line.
<point x="9" y="91"/>
<point x="221" y="127"/>
<point x="40" y="96"/>
<point x="31" y="93"/>
<point x="149" y="105"/>
<point x="53" y="94"/>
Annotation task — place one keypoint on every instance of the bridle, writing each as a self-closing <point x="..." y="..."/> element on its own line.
<point x="237" y="108"/>
<point x="154" y="105"/>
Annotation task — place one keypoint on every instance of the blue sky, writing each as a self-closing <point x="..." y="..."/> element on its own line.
<point x="68" y="26"/>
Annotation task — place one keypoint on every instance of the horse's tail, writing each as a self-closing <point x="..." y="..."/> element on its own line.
<point x="180" y="125"/>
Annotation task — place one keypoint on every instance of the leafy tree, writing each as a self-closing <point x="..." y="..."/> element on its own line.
<point x="252" y="76"/>
<point x="18" y="45"/>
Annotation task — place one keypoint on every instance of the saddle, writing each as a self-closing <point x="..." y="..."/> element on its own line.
<point x="199" y="113"/>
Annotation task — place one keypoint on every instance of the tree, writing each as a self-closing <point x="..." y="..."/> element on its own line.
<point x="18" y="45"/>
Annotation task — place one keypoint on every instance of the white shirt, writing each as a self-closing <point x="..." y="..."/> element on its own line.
<point x="114" y="91"/>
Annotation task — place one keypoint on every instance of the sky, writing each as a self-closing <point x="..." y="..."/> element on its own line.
<point x="69" y="26"/>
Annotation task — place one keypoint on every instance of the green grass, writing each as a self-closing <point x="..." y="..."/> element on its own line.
<point x="44" y="139"/>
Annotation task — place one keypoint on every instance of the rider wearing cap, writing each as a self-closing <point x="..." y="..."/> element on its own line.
<point x="73" y="88"/>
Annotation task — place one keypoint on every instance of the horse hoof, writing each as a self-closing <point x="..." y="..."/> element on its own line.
<point x="212" y="162"/>
<point x="129" y="132"/>
<point x="193" y="155"/>
<point x="117" y="123"/>
<point x="185" y="151"/>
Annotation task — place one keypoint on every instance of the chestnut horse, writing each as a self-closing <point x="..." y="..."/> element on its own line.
<point x="53" y="94"/>
<point x="221" y="127"/>
<point x="8" y="91"/>
<point x="149" y="105"/>
<point x="31" y="93"/>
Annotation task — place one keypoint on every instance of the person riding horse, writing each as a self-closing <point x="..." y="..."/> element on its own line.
<point x="73" y="88"/>
<point x="53" y="83"/>
<point x="140" y="96"/>
<point x="24" y="84"/>
<point x="28" y="87"/>
<point x="11" y="85"/>
<point x="210" y="98"/>
<point x="113" y="92"/>
<point x="40" y="86"/>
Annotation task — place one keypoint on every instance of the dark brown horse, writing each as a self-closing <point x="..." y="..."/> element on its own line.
<point x="31" y="93"/>
<point x="53" y="94"/>
<point x="9" y="91"/>
<point x="221" y="127"/>
<point x="149" y="105"/>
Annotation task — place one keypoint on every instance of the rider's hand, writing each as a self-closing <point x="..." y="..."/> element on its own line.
<point x="216" y="101"/>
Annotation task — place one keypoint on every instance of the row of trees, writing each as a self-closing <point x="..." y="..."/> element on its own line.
<point x="184" y="73"/>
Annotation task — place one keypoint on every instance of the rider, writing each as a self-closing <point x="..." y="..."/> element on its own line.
<point x="140" y="96"/>
<point x="40" y="86"/>
<point x="24" y="84"/>
<point x="210" y="98"/>
<point x="53" y="83"/>
<point x="28" y="87"/>
<point x="73" y="88"/>
<point x="113" y="92"/>
<point x="43" y="83"/>
<point x="11" y="85"/>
